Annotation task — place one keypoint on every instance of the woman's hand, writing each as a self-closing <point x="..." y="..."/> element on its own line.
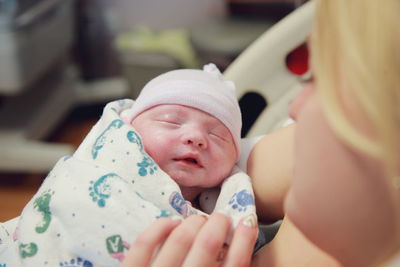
<point x="196" y="241"/>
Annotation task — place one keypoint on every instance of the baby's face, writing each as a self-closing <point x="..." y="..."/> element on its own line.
<point x="193" y="147"/>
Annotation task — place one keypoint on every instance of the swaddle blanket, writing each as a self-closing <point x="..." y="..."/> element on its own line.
<point x="93" y="204"/>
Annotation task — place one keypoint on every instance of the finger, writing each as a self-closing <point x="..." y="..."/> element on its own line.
<point x="242" y="245"/>
<point x="209" y="242"/>
<point x="178" y="244"/>
<point x="141" y="251"/>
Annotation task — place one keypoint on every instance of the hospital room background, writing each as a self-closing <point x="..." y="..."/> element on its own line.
<point x="61" y="61"/>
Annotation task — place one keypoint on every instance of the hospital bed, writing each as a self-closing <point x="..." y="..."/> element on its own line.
<point x="263" y="69"/>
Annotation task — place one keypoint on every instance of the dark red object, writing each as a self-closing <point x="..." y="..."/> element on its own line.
<point x="297" y="60"/>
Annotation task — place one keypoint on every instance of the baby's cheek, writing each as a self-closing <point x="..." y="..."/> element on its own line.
<point x="225" y="170"/>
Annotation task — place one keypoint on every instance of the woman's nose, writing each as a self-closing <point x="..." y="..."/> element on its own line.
<point x="195" y="138"/>
<point x="298" y="103"/>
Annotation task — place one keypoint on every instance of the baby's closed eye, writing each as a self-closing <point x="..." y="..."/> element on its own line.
<point x="169" y="119"/>
<point x="219" y="133"/>
<point x="169" y="123"/>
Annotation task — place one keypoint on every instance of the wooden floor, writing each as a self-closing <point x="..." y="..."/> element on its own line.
<point x="17" y="189"/>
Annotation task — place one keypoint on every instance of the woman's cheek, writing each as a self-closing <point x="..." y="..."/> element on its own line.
<point x="311" y="199"/>
<point x="337" y="199"/>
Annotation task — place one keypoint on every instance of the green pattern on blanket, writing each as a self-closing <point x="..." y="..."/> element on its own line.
<point x="28" y="250"/>
<point x="42" y="205"/>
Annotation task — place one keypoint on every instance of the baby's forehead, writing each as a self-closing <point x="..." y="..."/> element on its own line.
<point x="180" y="110"/>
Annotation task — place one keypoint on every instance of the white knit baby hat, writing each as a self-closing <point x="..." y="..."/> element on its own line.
<point x="204" y="89"/>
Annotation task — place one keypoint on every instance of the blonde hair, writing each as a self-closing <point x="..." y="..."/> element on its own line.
<point x="356" y="53"/>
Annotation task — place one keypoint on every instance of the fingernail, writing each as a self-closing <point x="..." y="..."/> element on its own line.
<point x="250" y="220"/>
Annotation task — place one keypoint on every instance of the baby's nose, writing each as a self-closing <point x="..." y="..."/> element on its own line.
<point x="196" y="139"/>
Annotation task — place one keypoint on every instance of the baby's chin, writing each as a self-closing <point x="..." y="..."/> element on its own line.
<point x="189" y="178"/>
<point x="185" y="180"/>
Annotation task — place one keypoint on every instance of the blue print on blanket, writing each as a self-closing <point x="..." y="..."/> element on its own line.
<point x="134" y="138"/>
<point x="100" y="190"/>
<point x="76" y="262"/>
<point x="241" y="200"/>
<point x="147" y="165"/>
<point x="182" y="206"/>
<point x="102" y="138"/>
<point x="164" y="213"/>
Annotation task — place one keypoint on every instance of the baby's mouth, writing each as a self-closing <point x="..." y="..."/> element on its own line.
<point x="191" y="161"/>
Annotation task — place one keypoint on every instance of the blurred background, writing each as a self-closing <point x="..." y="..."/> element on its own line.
<point x="61" y="61"/>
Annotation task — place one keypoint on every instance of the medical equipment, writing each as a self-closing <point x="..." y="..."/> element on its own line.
<point x="262" y="68"/>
